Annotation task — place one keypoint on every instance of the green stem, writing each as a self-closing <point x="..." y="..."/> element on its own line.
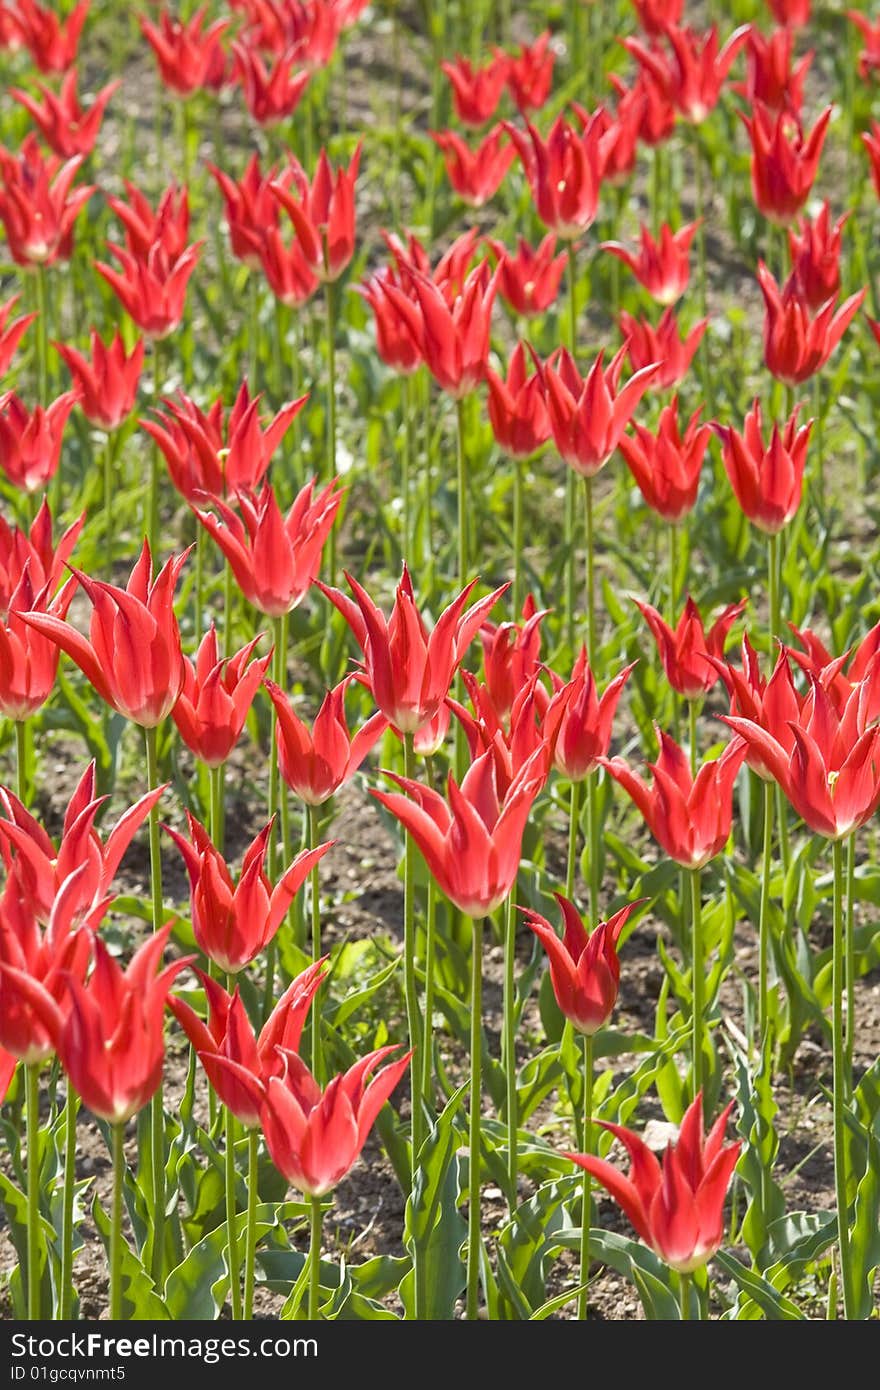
<point x="473" y="1257"/>
<point x="157" y="1111"/>
<point x="684" y="1291"/>
<point x="331" y="406"/>
<point x="71" y="1108"/>
<point x="461" y="468"/>
<point x="764" y="918"/>
<point x="583" y="1299"/>
<point x="569" y="519"/>
<point x="819" y="439"/>
<point x="773" y="591"/>
<point x="228" y="609"/>
<point x="850" y="954"/>
<point x="254" y="322"/>
<point x="152" y="519"/>
<point x="593" y="842"/>
<point x="42" y="337"/>
<point x="517" y="537"/>
<point x="317" y="1051"/>
<point x="111" y="445"/>
<point x="573" y="826"/>
<point x="672" y="533"/>
<point x="413" y="1018"/>
<point x="692" y="734"/>
<point x="509" y="1031"/>
<point x="701" y="232"/>
<point x="406" y="463"/>
<point x="233" y="1258"/>
<point x="315" y="1260"/>
<point x="841" y="1158"/>
<point x="250" y="1248"/>
<point x="427" y="1083"/>
<point x="698" y="982"/>
<point x="34" y="1231"/>
<point x="21" y="758"/>
<point x="118" y="1142"/>
<point x="279" y="675"/>
<point x="215" y="775"/>
<point x="591" y="581"/>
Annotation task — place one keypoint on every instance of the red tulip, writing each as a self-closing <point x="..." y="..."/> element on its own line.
<point x="11" y="41"/>
<point x="767" y="479"/>
<point x="151" y="290"/>
<point x="530" y="73"/>
<point x="666" y="465"/>
<point x="237" y="1063"/>
<point x="189" y="56"/>
<point x="511" y="656"/>
<point x="660" y="347"/>
<point x="871" y="141"/>
<point x="215" y="452"/>
<point x="274" y="557"/>
<point x="663" y="266"/>
<point x="839" y="675"/>
<point x="655" y="16"/>
<point x="308" y="32"/>
<point x="449" y="274"/>
<point x="41" y="868"/>
<point x="272" y="92"/>
<point x="815" y="256"/>
<point x="784" y="160"/>
<point x="166" y="226"/>
<point x="453" y="338"/>
<point x="323" y="214"/>
<point x="11" y="334"/>
<point x="564" y="173"/>
<point x="676" y="1208"/>
<point x="476" y="92"/>
<point x="475" y="174"/>
<point x="315" y="1137"/>
<point x="577" y="725"/>
<point x="316" y="764"/>
<point x="65" y="126"/>
<point x="869" y="56"/>
<point x="30" y="445"/>
<point x="589" y="415"/>
<point x="472" y="842"/>
<point x="398" y="334"/>
<point x="684" y="650"/>
<point x="770" y="78"/>
<point x="529" y="279"/>
<point x="772" y="703"/>
<point x="584" y="970"/>
<point x="407" y="671"/>
<point x="689" y="817"/>
<point x="51" y="41"/>
<point x="793" y="12"/>
<point x="39" y="204"/>
<point x="105" y="387"/>
<point x="695" y="71"/>
<point x="251" y="208"/>
<point x="233" y="923"/>
<point x="510" y="747"/>
<point x="517" y="411"/>
<point x="35" y="551"/>
<point x="620" y="133"/>
<point x="286" y="269"/>
<point x="216" y="698"/>
<point x="657" y="119"/>
<point x="133" y="656"/>
<point x="28" y="661"/>
<point x="796" y="344"/>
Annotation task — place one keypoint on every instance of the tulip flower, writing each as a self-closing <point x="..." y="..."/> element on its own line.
<point x="814" y="250"/>
<point x="656" y="16"/>
<point x="767" y="479"/>
<point x="666" y="465"/>
<point x="30" y="445"/>
<point x="770" y="78"/>
<point x="29" y="662"/>
<point x="39" y="204"/>
<point x="663" y="266"/>
<point x="408" y="672"/>
<point x="564" y="173"/>
<point x="475" y="174"/>
<point x="785" y="161"/>
<point x="251" y="207"/>
<point x="476" y="92"/>
<point x="529" y="278"/>
<point x="676" y="1207"/>
<point x="511" y="656"/>
<point x="694" y="72"/>
<point x="398" y="335"/>
<point x="34" y="550"/>
<point x="218" y="453"/>
<point x="133" y="656"/>
<point x="589" y="415"/>
<point x="796" y="343"/>
<point x="316" y="764"/>
<point x="233" y="922"/>
<point x="323" y="214"/>
<point x="621" y="132"/>
<point x="529" y="73"/>
<point x="795" y="13"/>
<point x="661" y="347"/>
<point x="272" y="92"/>
<point x="51" y="41"/>
<point x="577" y="724"/>
<point x="105" y="386"/>
<point x="286" y="269"/>
<point x="448" y="275"/>
<point x="67" y="128"/>
<point x="41" y="868"/>
<point x="453" y="338"/>
<point x="517" y="411"/>
<point x="510" y="743"/>
<point x="151" y="289"/>
<point x="238" y="1064"/>
<point x="584" y="970"/>
<point x="773" y="703"/>
<point x="216" y="697"/>
<point x="688" y="816"/>
<point x="658" y="115"/>
<point x="11" y="333"/>
<point x="838" y="675"/>
<point x="472" y="840"/>
<point x="684" y="650"/>
<point x="274" y="558"/>
<point x="189" y="56"/>
<point x="871" y="141"/>
<point x="868" y="61"/>
<point x="145" y="227"/>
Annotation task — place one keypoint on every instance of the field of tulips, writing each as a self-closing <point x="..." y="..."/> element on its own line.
<point x="439" y="660"/>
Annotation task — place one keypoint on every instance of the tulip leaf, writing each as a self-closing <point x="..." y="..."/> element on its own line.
<point x="774" y="1306"/>
<point x="865" y="1232"/>
<point x="636" y="1263"/>
<point x="433" y="1222"/>
<point x="140" y="1301"/>
<point x="197" y="1288"/>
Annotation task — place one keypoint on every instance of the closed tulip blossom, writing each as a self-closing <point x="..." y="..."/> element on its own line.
<point x="767" y="479"/>
<point x="316" y="763"/>
<point x="662" y="347"/>
<point x="453" y="338"/>
<point x="655" y="16"/>
<point x="530" y="73"/>
<point x="67" y="128"/>
<point x="28" y="661"/>
<point x="693" y="68"/>
<point x="676" y="1206"/>
<point x="315" y="1137"/>
<point x="529" y="278"/>
<point x="517" y="410"/>
<point x="132" y="656"/>
<point x="476" y="92"/>
<point x="658" y="116"/>
<point x="11" y="333"/>
<point x="770" y="78"/>
<point x="511" y="655"/>
<point x="275" y="558"/>
<point x="151" y="288"/>
<point x="621" y="133"/>
<point x="475" y="174"/>
<point x="772" y="702"/>
<point x="785" y="161"/>
<point x="511" y="741"/>
<point x="51" y="40"/>
<point x="251" y="208"/>
<point x="189" y="55"/>
<point x="662" y="266"/>
<point x="39" y="204"/>
<point x="814" y="248"/>
<point x="106" y="384"/>
<point x="216" y="698"/>
<point x="471" y="839"/>
<point x="30" y="444"/>
<point x="286" y="269"/>
<point x="407" y="670"/>
<point x="238" y="1063"/>
<point x="589" y="415"/>
<point x="36" y="550"/>
<point x="797" y="343"/>
<point x="689" y="817"/>
<point x="564" y="173"/>
<point x="398" y="334"/>
<point x="272" y="90"/>
<point x="584" y="969"/>
<point x="323" y="214"/>
<point x="684" y="650"/>
<point x="233" y="922"/>
<point x="577" y="724"/>
<point x="666" y="465"/>
<point x="166" y="226"/>
<point x="868" y="61"/>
